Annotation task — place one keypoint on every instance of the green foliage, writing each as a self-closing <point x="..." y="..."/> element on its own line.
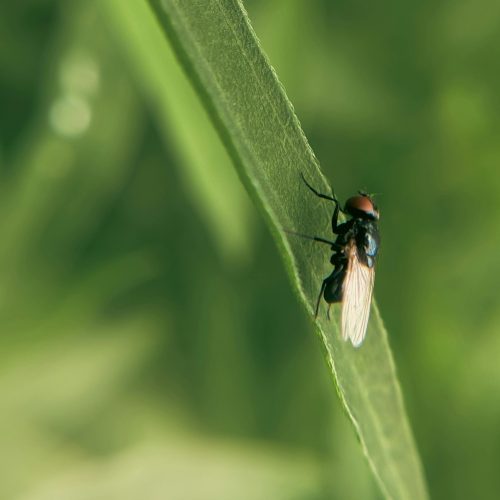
<point x="151" y="341"/>
<point x="256" y="120"/>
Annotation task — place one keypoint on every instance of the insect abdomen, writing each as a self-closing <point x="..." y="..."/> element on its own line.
<point x="333" y="288"/>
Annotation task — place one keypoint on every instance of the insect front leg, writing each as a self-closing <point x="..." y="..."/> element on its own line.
<point x="320" y="195"/>
<point x="343" y="227"/>
<point x="336" y="227"/>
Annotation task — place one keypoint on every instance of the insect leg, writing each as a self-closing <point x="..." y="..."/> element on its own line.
<point x="341" y="228"/>
<point x="323" y="285"/>
<point x="335" y="246"/>
<point x="335" y="218"/>
<point x="317" y="193"/>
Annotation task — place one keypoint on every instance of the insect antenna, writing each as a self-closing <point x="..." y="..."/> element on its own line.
<point x="364" y="192"/>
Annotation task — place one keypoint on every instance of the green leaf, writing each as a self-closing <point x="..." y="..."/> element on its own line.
<point x="215" y="43"/>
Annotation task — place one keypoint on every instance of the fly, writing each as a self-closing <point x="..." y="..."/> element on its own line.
<point x="354" y="253"/>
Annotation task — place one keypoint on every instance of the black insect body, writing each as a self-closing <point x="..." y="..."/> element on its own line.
<point x="354" y="254"/>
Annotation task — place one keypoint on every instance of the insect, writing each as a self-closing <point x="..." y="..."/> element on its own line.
<point x="354" y="253"/>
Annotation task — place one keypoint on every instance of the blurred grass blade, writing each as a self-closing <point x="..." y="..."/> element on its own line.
<point x="216" y="44"/>
<point x="205" y="165"/>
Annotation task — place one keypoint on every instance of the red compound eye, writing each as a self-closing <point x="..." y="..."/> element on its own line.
<point x="361" y="206"/>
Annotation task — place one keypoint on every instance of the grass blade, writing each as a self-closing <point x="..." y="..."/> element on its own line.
<point x="216" y="45"/>
<point x="205" y="166"/>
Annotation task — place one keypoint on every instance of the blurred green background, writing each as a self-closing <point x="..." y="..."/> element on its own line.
<point x="151" y="346"/>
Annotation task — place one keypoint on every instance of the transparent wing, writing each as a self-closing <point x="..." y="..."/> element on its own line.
<point x="357" y="297"/>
